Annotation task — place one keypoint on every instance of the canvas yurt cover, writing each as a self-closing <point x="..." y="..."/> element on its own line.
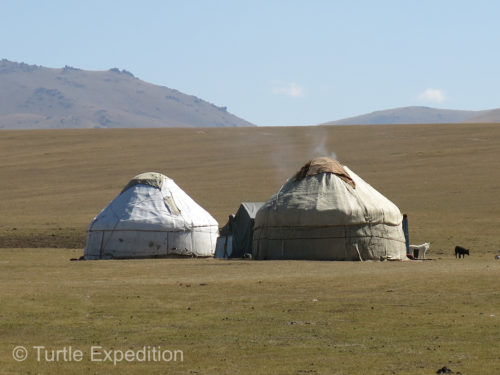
<point x="236" y="236"/>
<point x="151" y="217"/>
<point x="327" y="212"/>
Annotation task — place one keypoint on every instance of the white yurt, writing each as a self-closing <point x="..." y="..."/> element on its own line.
<point x="327" y="212"/>
<point x="151" y="217"/>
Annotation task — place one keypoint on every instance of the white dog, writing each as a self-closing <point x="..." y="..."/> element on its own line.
<point x="422" y="249"/>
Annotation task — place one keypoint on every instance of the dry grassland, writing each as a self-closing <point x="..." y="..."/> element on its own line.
<point x="252" y="317"/>
<point x="444" y="176"/>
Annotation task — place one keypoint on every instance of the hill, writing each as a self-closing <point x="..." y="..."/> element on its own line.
<point x="35" y="97"/>
<point x="487" y="116"/>
<point x="420" y="115"/>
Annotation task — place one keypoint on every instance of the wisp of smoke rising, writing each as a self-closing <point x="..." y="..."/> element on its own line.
<point x="321" y="150"/>
<point x="289" y="156"/>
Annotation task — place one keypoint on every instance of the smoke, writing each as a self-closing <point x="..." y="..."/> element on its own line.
<point x="284" y="159"/>
<point x="293" y="152"/>
<point x="321" y="150"/>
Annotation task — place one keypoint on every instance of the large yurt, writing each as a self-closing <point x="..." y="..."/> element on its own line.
<point x="327" y="212"/>
<point x="151" y="217"/>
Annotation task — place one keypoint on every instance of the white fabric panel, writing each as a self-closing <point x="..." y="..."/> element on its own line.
<point x="135" y="244"/>
<point x="93" y="245"/>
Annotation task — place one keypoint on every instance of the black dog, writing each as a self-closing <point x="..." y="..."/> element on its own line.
<point x="461" y="251"/>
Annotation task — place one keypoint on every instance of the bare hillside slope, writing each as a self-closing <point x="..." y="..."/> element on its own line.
<point x="419" y="115"/>
<point x="35" y="97"/>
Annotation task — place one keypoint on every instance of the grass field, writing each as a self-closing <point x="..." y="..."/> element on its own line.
<point x="252" y="317"/>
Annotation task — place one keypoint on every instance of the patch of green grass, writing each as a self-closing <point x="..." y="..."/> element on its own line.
<point x="248" y="317"/>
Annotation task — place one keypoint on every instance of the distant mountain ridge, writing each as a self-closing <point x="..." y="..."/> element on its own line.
<point x="35" y="97"/>
<point x="419" y="115"/>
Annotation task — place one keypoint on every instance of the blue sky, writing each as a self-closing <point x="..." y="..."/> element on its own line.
<point x="275" y="62"/>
